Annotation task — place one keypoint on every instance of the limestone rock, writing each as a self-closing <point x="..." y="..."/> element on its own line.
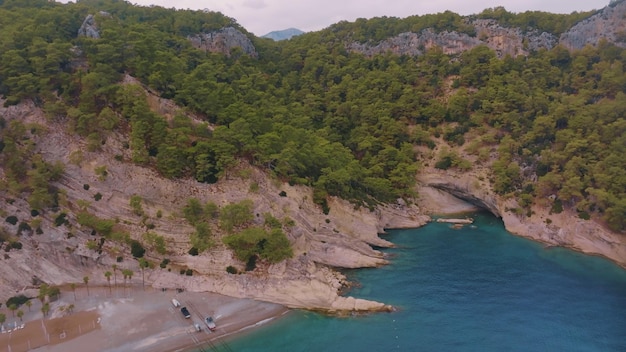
<point x="607" y="24"/>
<point x="223" y="41"/>
<point x="89" y="28"/>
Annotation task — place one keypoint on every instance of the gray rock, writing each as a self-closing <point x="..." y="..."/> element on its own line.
<point x="223" y="41"/>
<point x="89" y="28"/>
<point x="606" y="24"/>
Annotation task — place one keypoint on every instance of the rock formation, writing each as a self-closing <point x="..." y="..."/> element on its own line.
<point x="89" y="28"/>
<point x="343" y="238"/>
<point x="223" y="41"/>
<point x="609" y="24"/>
<point x="565" y="230"/>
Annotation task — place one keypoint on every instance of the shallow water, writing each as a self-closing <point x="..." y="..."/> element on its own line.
<point x="473" y="289"/>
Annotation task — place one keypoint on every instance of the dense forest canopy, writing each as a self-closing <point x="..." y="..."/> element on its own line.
<point x="550" y="126"/>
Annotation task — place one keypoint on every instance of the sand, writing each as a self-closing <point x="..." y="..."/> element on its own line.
<point x="134" y="320"/>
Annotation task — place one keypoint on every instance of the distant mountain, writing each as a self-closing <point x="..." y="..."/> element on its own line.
<point x="284" y="34"/>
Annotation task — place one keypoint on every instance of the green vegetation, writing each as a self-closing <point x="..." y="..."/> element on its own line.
<point x="272" y="246"/>
<point x="310" y="112"/>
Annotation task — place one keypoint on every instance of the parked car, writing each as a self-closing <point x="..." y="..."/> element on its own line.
<point x="175" y="303"/>
<point x="185" y="312"/>
<point x="210" y="323"/>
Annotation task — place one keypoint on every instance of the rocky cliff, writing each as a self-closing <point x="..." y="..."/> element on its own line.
<point x="608" y="24"/>
<point x="342" y="239"/>
<point x="564" y="229"/>
<point x="504" y="41"/>
<point x="223" y="41"/>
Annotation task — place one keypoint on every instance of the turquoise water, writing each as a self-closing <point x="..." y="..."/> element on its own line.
<point x="474" y="289"/>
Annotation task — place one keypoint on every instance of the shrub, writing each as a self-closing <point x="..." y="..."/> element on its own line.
<point x="193" y="251"/>
<point x="282" y="194"/>
<point x="34" y="212"/>
<point x="231" y="269"/>
<point x="164" y="263"/>
<point x="61" y="219"/>
<point x="189" y="272"/>
<point x="17" y="300"/>
<point x="119" y="259"/>
<point x="97" y="196"/>
<point x="136" y="249"/>
<point x="86" y="187"/>
<point x="12" y="220"/>
<point x="16" y="245"/>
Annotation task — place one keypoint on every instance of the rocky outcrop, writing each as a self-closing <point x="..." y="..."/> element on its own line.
<point x="223" y="41"/>
<point x="89" y="28"/>
<point x="504" y="41"/>
<point x="343" y="238"/>
<point x="565" y="230"/>
<point x="609" y="24"/>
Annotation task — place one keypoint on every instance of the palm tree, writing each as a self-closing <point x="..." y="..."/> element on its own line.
<point x="108" y="274"/>
<point x="73" y="286"/>
<point x="28" y="304"/>
<point x="45" y="308"/>
<point x="3" y="318"/>
<point x="13" y="308"/>
<point x="70" y="308"/>
<point x="127" y="274"/>
<point x="20" y="314"/>
<point x="114" y="266"/>
<point x="86" y="281"/>
<point x="143" y="263"/>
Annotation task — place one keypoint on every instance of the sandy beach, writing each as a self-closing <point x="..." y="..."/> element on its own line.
<point x="133" y="319"/>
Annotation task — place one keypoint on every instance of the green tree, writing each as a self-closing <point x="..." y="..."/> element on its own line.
<point x="86" y="281"/>
<point x="108" y="274"/>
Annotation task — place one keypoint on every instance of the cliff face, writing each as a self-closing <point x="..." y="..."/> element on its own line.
<point x="608" y="24"/>
<point x="565" y="229"/>
<point x="343" y="238"/>
<point x="504" y="41"/>
<point x="223" y="41"/>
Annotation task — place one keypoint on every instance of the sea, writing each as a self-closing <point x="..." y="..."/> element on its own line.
<point x="478" y="288"/>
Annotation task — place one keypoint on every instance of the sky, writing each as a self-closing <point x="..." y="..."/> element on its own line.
<point x="263" y="16"/>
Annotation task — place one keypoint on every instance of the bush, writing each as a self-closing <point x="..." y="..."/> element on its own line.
<point x="231" y="269"/>
<point x="86" y="187"/>
<point x="282" y="194"/>
<point x="16" y="245"/>
<point x="119" y="259"/>
<point x="136" y="249"/>
<point x="189" y="272"/>
<point x="61" y="219"/>
<point x="97" y="196"/>
<point x="17" y="300"/>
<point x="12" y="220"/>
<point x="34" y="212"/>
<point x="164" y="263"/>
<point x="193" y="251"/>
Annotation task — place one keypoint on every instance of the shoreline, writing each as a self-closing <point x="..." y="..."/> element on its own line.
<point x="138" y="320"/>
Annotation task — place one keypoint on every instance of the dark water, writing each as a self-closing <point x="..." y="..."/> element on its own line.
<point x="474" y="289"/>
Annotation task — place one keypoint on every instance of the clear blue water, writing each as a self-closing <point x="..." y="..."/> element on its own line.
<point x="474" y="289"/>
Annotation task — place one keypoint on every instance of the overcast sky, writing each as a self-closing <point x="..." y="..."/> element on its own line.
<point x="263" y="16"/>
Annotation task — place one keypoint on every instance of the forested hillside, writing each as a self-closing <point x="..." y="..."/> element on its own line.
<point x="550" y="127"/>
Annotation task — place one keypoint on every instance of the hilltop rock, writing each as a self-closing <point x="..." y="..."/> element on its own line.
<point x="283" y="35"/>
<point x="609" y="24"/>
<point x="89" y="28"/>
<point x="223" y="41"/>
